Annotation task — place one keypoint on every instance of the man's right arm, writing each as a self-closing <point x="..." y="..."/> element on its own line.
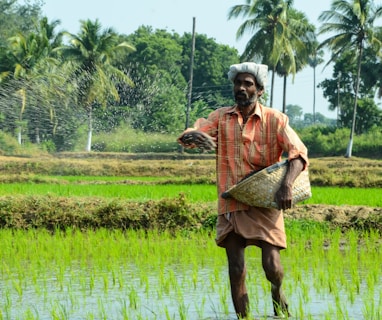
<point x="203" y="134"/>
<point x="197" y="139"/>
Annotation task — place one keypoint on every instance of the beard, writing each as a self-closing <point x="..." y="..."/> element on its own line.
<point x="243" y="100"/>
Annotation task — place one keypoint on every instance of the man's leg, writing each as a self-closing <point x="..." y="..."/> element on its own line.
<point x="235" y="246"/>
<point x="275" y="274"/>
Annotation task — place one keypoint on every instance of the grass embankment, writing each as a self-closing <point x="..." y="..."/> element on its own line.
<point x="331" y="171"/>
<point x="94" y="190"/>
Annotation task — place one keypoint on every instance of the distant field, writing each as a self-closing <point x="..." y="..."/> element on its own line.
<point x="194" y="192"/>
<point x="324" y="172"/>
<point x="346" y="196"/>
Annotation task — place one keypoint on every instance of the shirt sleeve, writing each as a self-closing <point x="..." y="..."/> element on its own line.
<point x="209" y="125"/>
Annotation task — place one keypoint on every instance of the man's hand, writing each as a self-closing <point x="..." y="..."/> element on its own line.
<point x="197" y="139"/>
<point x="284" y="195"/>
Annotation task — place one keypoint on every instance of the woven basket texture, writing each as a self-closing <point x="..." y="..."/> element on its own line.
<point x="259" y="189"/>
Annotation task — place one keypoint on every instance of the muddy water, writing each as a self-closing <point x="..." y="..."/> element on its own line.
<point x="179" y="292"/>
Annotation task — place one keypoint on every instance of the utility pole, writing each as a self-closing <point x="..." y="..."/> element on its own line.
<point x="191" y="74"/>
<point x="338" y="98"/>
<point x="314" y="89"/>
<point x="189" y="96"/>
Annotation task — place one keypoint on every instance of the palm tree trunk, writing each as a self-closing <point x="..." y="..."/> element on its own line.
<point x="19" y="135"/>
<point x="272" y="87"/>
<point x="284" y="93"/>
<point x="338" y="100"/>
<point x="90" y="130"/>
<point x="314" y="94"/>
<point x="350" y="144"/>
<point x="37" y="131"/>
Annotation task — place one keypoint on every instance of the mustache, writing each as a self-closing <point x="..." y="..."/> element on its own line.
<point x="241" y="95"/>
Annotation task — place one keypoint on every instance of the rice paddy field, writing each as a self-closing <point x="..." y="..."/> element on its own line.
<point x="107" y="274"/>
<point x="330" y="273"/>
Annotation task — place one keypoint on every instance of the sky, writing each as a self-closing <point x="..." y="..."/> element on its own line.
<point x="210" y="19"/>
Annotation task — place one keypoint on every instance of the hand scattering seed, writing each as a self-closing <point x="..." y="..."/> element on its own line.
<point x="200" y="139"/>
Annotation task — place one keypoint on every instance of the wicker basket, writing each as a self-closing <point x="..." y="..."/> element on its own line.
<point x="259" y="188"/>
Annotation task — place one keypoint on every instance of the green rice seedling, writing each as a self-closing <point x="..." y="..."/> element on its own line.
<point x="164" y="274"/>
<point x="301" y="310"/>
<point x="225" y="296"/>
<point x="305" y="291"/>
<point x="164" y="283"/>
<point x="212" y="282"/>
<point x="204" y="193"/>
<point x="372" y="305"/>
<point x="199" y="307"/>
<point x="18" y="287"/>
<point x="182" y="310"/>
<point x="60" y="312"/>
<point x="145" y="283"/>
<point x="124" y="310"/>
<point x="102" y="311"/>
<point x="91" y="283"/>
<point x="350" y="196"/>
<point x="372" y="279"/>
<point x="340" y="312"/>
<point x="133" y="298"/>
<point x="167" y="314"/>
<point x="90" y="316"/>
<point x="30" y="314"/>
<point x="194" y="192"/>
<point x="194" y="277"/>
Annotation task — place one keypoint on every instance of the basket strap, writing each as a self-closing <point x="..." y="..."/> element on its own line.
<point x="277" y="166"/>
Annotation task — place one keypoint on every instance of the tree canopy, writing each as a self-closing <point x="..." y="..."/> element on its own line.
<point x="54" y="85"/>
<point x="351" y="25"/>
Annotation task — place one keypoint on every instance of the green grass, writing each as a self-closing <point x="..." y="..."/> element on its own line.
<point x="195" y="193"/>
<point x="346" y="196"/>
<point x="74" y="179"/>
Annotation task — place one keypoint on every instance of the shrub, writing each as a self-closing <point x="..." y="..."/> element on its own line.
<point x="52" y="213"/>
<point x="10" y="146"/>
<point x="126" y="139"/>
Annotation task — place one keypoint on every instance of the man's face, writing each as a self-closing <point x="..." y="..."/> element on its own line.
<point x="245" y="89"/>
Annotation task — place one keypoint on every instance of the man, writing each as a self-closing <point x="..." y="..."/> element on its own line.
<point x="248" y="137"/>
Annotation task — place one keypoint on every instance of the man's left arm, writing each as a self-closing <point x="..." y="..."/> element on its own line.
<point x="284" y="194"/>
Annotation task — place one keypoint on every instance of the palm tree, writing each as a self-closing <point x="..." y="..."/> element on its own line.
<point x="91" y="52"/>
<point x="48" y="35"/>
<point x="314" y="59"/>
<point x="23" y="59"/>
<point x="351" y="23"/>
<point x="48" y="77"/>
<point x="301" y="38"/>
<point x="280" y="36"/>
<point x="267" y="22"/>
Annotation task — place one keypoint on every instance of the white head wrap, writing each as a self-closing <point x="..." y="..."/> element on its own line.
<point x="259" y="71"/>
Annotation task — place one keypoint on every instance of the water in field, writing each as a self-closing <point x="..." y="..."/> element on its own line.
<point x="179" y="282"/>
